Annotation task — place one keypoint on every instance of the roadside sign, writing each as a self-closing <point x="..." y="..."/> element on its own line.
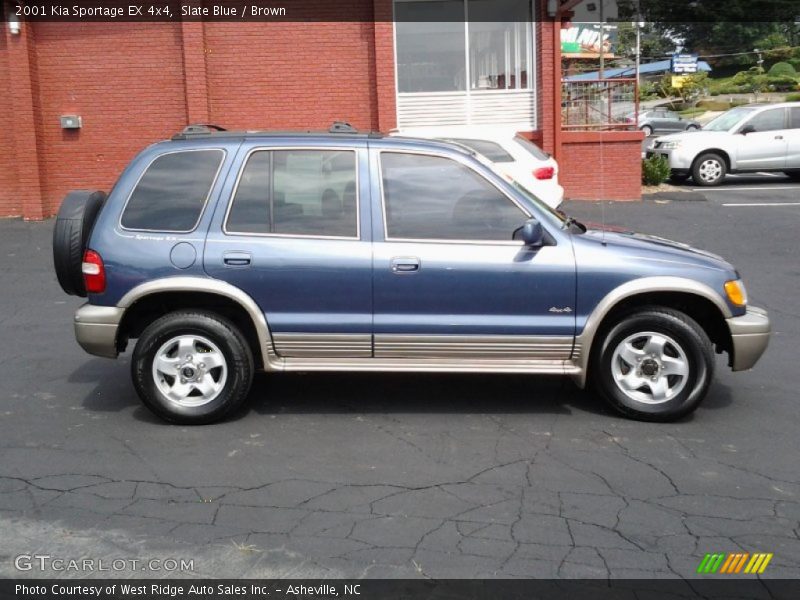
<point x="684" y="63"/>
<point x="679" y="80"/>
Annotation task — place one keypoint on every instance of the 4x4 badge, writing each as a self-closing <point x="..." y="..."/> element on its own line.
<point x="555" y="309"/>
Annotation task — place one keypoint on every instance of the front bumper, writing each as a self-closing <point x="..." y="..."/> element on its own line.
<point x="750" y="336"/>
<point x="679" y="159"/>
<point x="96" y="329"/>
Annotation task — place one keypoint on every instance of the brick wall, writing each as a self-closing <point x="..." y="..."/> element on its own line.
<point x="124" y="79"/>
<point x="291" y="75"/>
<point x="10" y="203"/>
<point x="601" y="165"/>
<point x="134" y="84"/>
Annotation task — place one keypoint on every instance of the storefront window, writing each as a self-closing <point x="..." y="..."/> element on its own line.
<point x="430" y="53"/>
<point x="499" y="51"/>
<point x="456" y="45"/>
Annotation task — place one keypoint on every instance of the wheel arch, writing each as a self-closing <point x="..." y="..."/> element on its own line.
<point x="697" y="300"/>
<point x="154" y="298"/>
<point x="723" y="153"/>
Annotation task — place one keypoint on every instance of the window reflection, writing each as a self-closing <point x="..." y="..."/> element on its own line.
<point x="438" y="52"/>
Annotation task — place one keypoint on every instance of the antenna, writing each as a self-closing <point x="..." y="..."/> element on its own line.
<point x="603" y="220"/>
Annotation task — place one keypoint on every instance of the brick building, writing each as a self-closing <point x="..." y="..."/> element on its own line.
<point x="136" y="83"/>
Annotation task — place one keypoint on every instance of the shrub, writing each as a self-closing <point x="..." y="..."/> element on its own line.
<point x="793" y="97"/>
<point x="783" y="83"/>
<point x="782" y="69"/>
<point x="655" y="170"/>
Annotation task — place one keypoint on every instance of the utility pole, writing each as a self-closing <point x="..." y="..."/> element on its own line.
<point x="602" y="40"/>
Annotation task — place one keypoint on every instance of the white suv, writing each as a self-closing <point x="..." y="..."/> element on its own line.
<point x="758" y="137"/>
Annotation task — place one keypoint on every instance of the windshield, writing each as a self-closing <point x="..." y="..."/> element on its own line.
<point x="728" y="120"/>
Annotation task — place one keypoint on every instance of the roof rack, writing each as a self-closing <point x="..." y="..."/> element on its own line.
<point x="199" y="130"/>
<point x="342" y="127"/>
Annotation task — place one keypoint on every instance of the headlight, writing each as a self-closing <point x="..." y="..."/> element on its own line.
<point x="736" y="292"/>
<point x="670" y="145"/>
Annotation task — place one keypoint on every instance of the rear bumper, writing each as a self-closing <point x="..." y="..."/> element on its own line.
<point x="96" y="329"/>
<point x="750" y="336"/>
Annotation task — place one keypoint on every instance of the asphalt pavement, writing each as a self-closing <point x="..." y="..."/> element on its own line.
<point x="404" y="475"/>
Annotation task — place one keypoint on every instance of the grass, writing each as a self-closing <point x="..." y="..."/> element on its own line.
<point x="718" y="104"/>
<point x="692" y="112"/>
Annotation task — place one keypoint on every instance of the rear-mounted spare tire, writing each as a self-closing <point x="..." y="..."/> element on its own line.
<point x="74" y="223"/>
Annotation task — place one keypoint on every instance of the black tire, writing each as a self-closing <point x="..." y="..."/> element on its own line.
<point x="692" y="128"/>
<point x="793" y="175"/>
<point x="707" y="160"/>
<point x="647" y="130"/>
<point x="73" y="226"/>
<point x="209" y="326"/>
<point x="683" y="331"/>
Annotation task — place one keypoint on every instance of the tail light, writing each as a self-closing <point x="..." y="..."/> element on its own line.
<point x="94" y="272"/>
<point x="544" y="172"/>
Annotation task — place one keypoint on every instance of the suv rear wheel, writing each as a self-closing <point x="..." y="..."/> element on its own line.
<point x="655" y="364"/>
<point x="192" y="367"/>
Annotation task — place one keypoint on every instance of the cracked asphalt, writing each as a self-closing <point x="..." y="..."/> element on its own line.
<point x="369" y="475"/>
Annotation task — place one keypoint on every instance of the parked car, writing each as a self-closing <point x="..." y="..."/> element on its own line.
<point x="514" y="154"/>
<point x="661" y="120"/>
<point x="225" y="253"/>
<point x="753" y="138"/>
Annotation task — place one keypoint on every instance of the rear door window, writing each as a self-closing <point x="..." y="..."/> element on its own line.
<point x="173" y="191"/>
<point x="297" y="193"/>
<point x="795" y="118"/>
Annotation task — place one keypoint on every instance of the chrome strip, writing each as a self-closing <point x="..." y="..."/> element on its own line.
<point x="205" y="202"/>
<point x="323" y="345"/>
<point x="452" y="365"/>
<point x="252" y="151"/>
<point x="473" y="346"/>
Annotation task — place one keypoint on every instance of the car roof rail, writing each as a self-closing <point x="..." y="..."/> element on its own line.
<point x="198" y="129"/>
<point x="342" y="127"/>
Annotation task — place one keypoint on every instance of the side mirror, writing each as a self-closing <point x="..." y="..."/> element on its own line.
<point x="747" y="129"/>
<point x="532" y="233"/>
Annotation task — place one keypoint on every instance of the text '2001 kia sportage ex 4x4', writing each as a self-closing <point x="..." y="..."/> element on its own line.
<point x="224" y="253"/>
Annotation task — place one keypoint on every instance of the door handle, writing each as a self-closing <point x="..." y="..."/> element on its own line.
<point x="406" y="264"/>
<point x="236" y="259"/>
<point x="778" y="137"/>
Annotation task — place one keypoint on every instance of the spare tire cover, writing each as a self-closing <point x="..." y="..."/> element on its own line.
<point x="74" y="223"/>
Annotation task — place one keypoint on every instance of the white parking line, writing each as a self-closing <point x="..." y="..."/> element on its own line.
<point x="746" y="189"/>
<point x="761" y="204"/>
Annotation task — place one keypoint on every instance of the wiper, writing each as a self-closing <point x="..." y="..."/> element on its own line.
<point x="570" y="221"/>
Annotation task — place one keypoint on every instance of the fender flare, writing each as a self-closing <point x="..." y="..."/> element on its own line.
<point x="636" y="287"/>
<point x="211" y="286"/>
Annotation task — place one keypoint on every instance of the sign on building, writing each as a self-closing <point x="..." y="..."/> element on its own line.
<point x="684" y="63"/>
<point x="587" y="40"/>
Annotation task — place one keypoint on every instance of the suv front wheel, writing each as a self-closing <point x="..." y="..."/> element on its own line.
<point x="655" y="364"/>
<point x="709" y="169"/>
<point x="192" y="367"/>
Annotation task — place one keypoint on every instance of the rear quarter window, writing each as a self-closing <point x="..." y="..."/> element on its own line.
<point x="173" y="191"/>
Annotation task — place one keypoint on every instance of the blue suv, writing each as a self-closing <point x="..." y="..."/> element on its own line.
<point x="223" y="253"/>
